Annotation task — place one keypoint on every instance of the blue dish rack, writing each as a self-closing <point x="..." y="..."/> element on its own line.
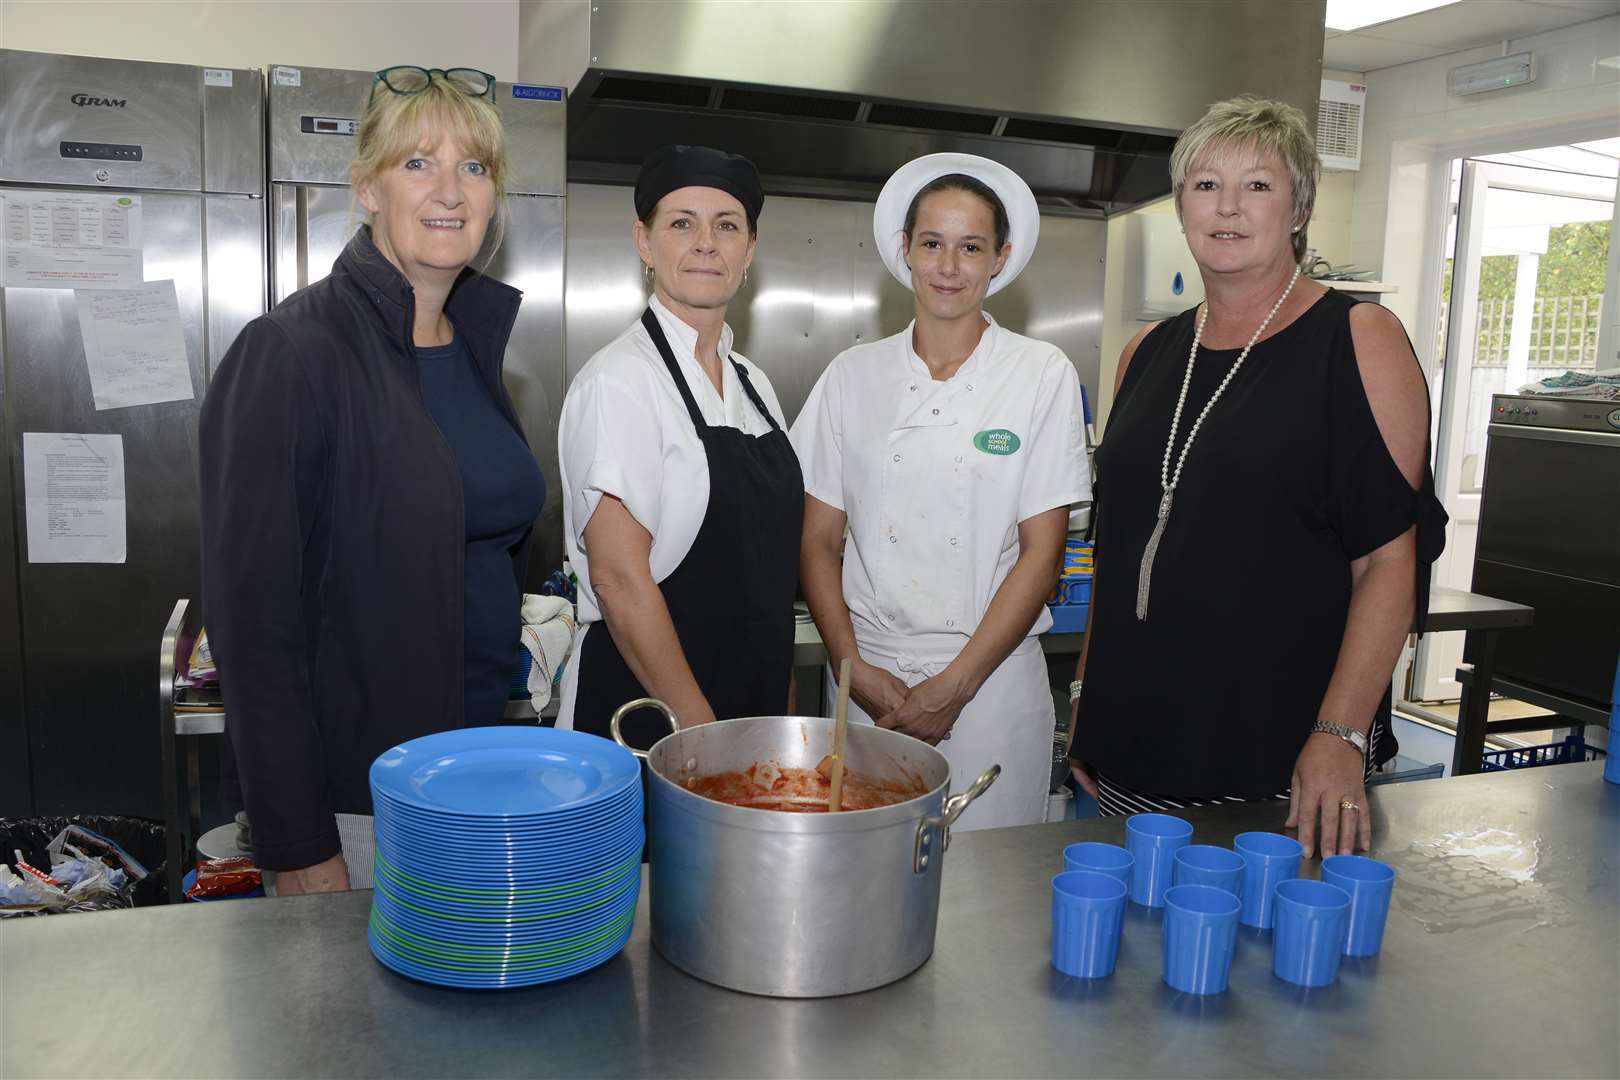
<point x="1070" y="602"/>
<point x="1573" y="748"/>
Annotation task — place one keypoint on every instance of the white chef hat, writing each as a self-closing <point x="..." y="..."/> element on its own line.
<point x="1023" y="216"/>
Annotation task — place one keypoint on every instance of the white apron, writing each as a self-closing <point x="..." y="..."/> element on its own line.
<point x="1008" y="723"/>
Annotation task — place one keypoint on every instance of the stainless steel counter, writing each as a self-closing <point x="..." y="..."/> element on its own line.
<point x="1502" y="958"/>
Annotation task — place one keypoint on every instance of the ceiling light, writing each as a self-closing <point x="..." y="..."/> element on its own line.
<point x="1354" y="14"/>
<point x="1497" y="74"/>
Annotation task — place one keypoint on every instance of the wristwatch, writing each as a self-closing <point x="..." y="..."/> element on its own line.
<point x="1074" y="691"/>
<point x="1348" y="734"/>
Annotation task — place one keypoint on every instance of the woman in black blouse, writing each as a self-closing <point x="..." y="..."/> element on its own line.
<point x="1265" y="514"/>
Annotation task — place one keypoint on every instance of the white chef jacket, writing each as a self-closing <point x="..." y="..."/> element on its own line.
<point x="625" y="432"/>
<point x="936" y="476"/>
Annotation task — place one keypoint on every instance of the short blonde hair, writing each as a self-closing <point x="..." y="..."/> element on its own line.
<point x="393" y="126"/>
<point x="1262" y="126"/>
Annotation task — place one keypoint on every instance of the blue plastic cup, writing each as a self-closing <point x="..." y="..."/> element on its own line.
<point x="1268" y="858"/>
<point x="1313" y="919"/>
<point x="1200" y="931"/>
<point x="1369" y="883"/>
<point x="1206" y="864"/>
<point x="1087" y="910"/>
<point x="1153" y="839"/>
<point x="1110" y="859"/>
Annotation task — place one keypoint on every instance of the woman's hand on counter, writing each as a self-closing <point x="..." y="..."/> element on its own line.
<point x="1328" y="773"/>
<point x="931" y="708"/>
<point x="874" y="689"/>
<point x="329" y="876"/>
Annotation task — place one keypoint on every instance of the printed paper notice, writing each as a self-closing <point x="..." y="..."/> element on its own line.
<point x="134" y="345"/>
<point x="60" y="240"/>
<point x="74" y="489"/>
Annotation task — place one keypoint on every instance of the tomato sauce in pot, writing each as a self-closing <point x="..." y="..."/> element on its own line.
<point x="767" y="786"/>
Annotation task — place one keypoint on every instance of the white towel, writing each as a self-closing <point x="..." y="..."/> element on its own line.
<point x="548" y="634"/>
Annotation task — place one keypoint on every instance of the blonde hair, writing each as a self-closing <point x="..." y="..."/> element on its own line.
<point x="394" y="126"/>
<point x="1261" y="126"/>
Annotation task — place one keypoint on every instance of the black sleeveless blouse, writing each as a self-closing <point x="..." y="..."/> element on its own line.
<point x="1288" y="481"/>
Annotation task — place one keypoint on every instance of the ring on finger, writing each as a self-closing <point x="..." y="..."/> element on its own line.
<point x="1348" y="804"/>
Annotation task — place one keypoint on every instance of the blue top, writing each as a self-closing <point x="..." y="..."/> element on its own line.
<point x="502" y="492"/>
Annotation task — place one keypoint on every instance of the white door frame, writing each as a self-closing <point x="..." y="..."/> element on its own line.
<point x="1449" y="425"/>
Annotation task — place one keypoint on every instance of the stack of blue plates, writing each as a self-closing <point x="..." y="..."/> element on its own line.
<point x="506" y="856"/>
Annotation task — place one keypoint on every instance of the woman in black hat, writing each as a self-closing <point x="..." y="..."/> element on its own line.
<point x="682" y="496"/>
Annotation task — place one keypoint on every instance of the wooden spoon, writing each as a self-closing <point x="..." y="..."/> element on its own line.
<point x="835" y="800"/>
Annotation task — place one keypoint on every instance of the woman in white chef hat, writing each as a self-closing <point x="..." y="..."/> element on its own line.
<point x="952" y="451"/>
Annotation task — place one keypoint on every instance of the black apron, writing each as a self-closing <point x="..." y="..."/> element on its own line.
<point x="731" y="598"/>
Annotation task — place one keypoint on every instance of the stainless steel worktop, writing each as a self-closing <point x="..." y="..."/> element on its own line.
<point x="1500" y="960"/>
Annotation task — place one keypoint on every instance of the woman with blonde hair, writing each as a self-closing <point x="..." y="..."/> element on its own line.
<point x="1265" y="514"/>
<point x="367" y="491"/>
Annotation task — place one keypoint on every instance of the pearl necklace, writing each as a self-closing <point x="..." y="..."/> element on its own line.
<point x="1169" y="480"/>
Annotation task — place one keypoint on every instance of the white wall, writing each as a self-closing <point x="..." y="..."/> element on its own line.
<point x="363" y="34"/>
<point x="1413" y="127"/>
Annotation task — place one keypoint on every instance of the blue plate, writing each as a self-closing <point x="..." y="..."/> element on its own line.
<point x="510" y="978"/>
<point x="434" y="843"/>
<point x="567" y="829"/>
<point x="569" y="936"/>
<point x="572" y="896"/>
<point x="504" y="771"/>
<point x="425" y="950"/>
<point x="610" y="803"/>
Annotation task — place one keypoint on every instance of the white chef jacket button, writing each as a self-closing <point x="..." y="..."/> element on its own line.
<point x="970" y="386"/>
<point x="897" y="457"/>
<point x="914" y="386"/>
<point x="950" y="622"/>
<point x="936" y="412"/>
<point x="959" y="459"/>
<point x="953" y="541"/>
<point x="893" y="539"/>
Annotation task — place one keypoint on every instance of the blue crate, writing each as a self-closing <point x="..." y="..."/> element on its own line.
<point x="1069" y="618"/>
<point x="1573" y="748"/>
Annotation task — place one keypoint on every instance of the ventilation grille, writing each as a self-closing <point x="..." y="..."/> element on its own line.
<point x="1339" y="115"/>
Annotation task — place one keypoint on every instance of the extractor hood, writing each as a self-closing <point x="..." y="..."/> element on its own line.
<point x="1083" y="98"/>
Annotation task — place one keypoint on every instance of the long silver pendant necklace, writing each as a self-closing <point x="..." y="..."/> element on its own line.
<point x="1169" y="480"/>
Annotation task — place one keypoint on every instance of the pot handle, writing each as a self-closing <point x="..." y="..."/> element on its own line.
<point x="641" y="703"/>
<point x="922" y="848"/>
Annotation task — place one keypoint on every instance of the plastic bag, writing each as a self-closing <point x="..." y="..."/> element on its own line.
<point x="132" y="846"/>
<point x="219" y="878"/>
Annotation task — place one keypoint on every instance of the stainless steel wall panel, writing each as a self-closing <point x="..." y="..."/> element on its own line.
<point x="1058" y="297"/>
<point x="1148" y="64"/>
<point x="233" y="131"/>
<point x="603" y="284"/>
<point x="89" y="629"/>
<point x="532" y="260"/>
<point x="47" y="100"/>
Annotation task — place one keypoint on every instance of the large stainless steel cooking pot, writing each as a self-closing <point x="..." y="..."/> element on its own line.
<point x="794" y="905"/>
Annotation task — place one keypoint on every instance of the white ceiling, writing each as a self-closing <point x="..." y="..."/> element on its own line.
<point x="1452" y="28"/>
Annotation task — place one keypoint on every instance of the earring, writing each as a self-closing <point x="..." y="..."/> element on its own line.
<point x="1296" y="228"/>
<point x="647" y="273"/>
<point x="745" y="277"/>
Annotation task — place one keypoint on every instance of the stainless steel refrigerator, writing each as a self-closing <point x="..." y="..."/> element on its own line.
<point x="312" y="120"/>
<point x="173" y="158"/>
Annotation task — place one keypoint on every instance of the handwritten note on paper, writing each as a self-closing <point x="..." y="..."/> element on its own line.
<point x="134" y="345"/>
<point x="73" y="488"/>
<point x="62" y="240"/>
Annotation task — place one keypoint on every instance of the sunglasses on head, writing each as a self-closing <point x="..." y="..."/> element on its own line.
<point x="410" y="79"/>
